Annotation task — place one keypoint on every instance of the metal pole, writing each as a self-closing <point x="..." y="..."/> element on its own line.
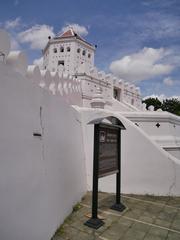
<point x="118" y="175"/>
<point x="118" y="206"/>
<point x="95" y="172"/>
<point x="94" y="221"/>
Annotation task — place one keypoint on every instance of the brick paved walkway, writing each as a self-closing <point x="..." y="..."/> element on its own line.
<point x="146" y="218"/>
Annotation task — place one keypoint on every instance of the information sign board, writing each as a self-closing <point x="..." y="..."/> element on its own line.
<point x="108" y="150"/>
<point x="107" y="161"/>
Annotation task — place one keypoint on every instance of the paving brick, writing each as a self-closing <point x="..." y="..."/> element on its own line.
<point x="158" y="232"/>
<point x="176" y="225"/>
<point x="173" y="236"/>
<point x="162" y="223"/>
<point x="133" y="234"/>
<point x="153" y="237"/>
<point x="125" y="226"/>
<point x="140" y="227"/>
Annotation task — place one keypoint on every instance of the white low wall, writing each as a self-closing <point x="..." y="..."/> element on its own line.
<point x="41" y="178"/>
<point x="146" y="168"/>
<point x="161" y="127"/>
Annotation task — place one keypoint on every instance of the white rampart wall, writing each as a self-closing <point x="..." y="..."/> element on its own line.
<point x="41" y="178"/>
<point x="146" y="167"/>
<point x="162" y="127"/>
<point x="128" y="94"/>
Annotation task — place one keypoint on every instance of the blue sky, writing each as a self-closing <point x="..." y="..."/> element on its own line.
<point x="138" y="40"/>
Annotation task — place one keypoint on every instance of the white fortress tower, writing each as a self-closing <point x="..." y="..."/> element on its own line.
<point x="72" y="55"/>
<point x="68" y="52"/>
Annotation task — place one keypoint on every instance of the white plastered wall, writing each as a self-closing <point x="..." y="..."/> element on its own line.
<point x="146" y="168"/>
<point x="41" y="178"/>
<point x="162" y="127"/>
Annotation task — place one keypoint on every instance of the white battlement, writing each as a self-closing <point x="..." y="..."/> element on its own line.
<point x="56" y="83"/>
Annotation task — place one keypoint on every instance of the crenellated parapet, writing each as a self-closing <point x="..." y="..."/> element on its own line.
<point x="62" y="85"/>
<point x="58" y="84"/>
<point x="111" y="87"/>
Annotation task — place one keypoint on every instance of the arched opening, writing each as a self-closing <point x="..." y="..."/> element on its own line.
<point x="109" y="120"/>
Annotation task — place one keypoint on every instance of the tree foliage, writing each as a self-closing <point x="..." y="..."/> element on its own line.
<point x="170" y="105"/>
<point x="153" y="102"/>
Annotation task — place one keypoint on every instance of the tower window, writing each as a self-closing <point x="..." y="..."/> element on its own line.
<point x="89" y="55"/>
<point x="55" y="50"/>
<point x="83" y="52"/>
<point x="61" y="49"/>
<point x="60" y="62"/>
<point x="78" y="50"/>
<point x="68" y="49"/>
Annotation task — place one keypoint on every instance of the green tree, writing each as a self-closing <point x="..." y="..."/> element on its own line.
<point x="154" y="102"/>
<point x="171" y="105"/>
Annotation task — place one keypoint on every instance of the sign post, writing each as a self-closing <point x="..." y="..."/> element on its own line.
<point x="118" y="206"/>
<point x="94" y="221"/>
<point x="107" y="161"/>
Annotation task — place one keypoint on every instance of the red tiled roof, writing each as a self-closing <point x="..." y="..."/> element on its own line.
<point x="71" y="33"/>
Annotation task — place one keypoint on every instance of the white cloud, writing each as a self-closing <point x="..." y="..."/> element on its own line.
<point x="171" y="82"/>
<point x="11" y="24"/>
<point x="81" y="30"/>
<point x="161" y="97"/>
<point x="141" y="65"/>
<point x="168" y="81"/>
<point x="14" y="44"/>
<point x="37" y="36"/>
<point x="39" y="62"/>
<point x="178" y="97"/>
